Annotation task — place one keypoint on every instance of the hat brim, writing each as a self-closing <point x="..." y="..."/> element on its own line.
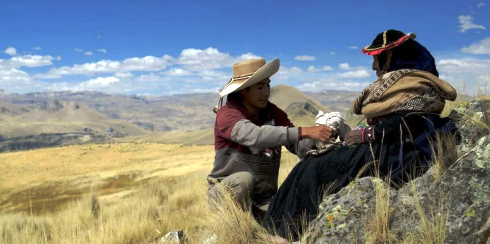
<point x="370" y="50"/>
<point x="264" y="72"/>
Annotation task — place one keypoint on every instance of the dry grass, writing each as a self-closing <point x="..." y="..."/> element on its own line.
<point x="432" y="223"/>
<point x="200" y="137"/>
<point x="379" y="225"/>
<point x="232" y="224"/>
<point x="444" y="153"/>
<point x="117" y="193"/>
<point x="139" y="217"/>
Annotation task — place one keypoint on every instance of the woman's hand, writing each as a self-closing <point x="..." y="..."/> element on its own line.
<point x="353" y="137"/>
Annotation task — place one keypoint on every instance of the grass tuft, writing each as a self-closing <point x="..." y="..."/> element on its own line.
<point x="444" y="153"/>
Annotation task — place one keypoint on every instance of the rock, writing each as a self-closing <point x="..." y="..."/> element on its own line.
<point x="173" y="237"/>
<point x="460" y="201"/>
<point x="109" y="130"/>
<point x="468" y="191"/>
<point x="472" y="122"/>
<point x="211" y="240"/>
<point x="342" y="216"/>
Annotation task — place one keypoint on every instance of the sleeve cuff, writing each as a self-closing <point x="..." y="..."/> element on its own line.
<point x="292" y="135"/>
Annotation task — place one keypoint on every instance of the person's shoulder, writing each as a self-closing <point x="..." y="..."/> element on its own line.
<point x="227" y="114"/>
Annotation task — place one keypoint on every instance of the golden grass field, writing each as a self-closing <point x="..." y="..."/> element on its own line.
<point x="144" y="191"/>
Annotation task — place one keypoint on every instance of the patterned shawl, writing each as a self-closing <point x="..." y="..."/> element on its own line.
<point x="404" y="90"/>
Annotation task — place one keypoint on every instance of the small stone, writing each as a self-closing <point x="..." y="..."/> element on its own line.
<point x="173" y="237"/>
<point x="211" y="240"/>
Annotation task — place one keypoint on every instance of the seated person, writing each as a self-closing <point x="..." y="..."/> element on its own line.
<point x="249" y="133"/>
<point x="402" y="108"/>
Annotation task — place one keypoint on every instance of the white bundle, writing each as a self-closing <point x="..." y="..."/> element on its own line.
<point x="335" y="121"/>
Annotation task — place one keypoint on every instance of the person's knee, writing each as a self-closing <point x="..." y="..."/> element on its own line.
<point x="242" y="183"/>
<point x="241" y="186"/>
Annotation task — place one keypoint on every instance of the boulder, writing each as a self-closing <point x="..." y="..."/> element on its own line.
<point x="473" y="122"/>
<point x="459" y="204"/>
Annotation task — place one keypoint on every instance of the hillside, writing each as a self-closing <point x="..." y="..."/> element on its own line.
<point x="300" y="107"/>
<point x="184" y="112"/>
<point x="18" y="120"/>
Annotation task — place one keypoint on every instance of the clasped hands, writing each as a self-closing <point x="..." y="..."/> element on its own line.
<point x="323" y="133"/>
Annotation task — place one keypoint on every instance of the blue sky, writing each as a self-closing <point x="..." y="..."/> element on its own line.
<point x="168" y="47"/>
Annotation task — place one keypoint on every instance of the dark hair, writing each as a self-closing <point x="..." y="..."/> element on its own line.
<point x="236" y="97"/>
<point x="409" y="55"/>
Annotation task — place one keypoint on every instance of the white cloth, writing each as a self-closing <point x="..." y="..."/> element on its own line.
<point x="335" y="121"/>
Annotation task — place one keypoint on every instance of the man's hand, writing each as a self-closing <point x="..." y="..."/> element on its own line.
<point x="318" y="133"/>
<point x="353" y="137"/>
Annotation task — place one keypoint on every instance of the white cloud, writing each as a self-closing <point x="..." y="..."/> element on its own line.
<point x="470" y="71"/>
<point x="305" y="58"/>
<point x="88" y="53"/>
<point x="327" y="68"/>
<point x="123" y="74"/>
<point x="481" y="5"/>
<point x="148" y="63"/>
<point x="345" y="66"/>
<point x="333" y="53"/>
<point x="27" y="61"/>
<point x="247" y="56"/>
<point x="178" y="72"/>
<point x="353" y="47"/>
<point x="107" y="84"/>
<point x="209" y="58"/>
<point x="99" y="81"/>
<point x="12" y="75"/>
<point x="36" y="48"/>
<point x="482" y="47"/>
<point x="11" y="51"/>
<point x="466" y="65"/>
<point x="216" y="77"/>
<point x="466" y="23"/>
<point x="325" y="84"/>
<point x="285" y="73"/>
<point x="149" y="78"/>
<point x="312" y="69"/>
<point x="354" y="74"/>
<point x="78" y="50"/>
<point x="102" y="50"/>
<point x="32" y="60"/>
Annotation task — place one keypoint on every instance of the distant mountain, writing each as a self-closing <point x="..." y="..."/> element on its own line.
<point x="301" y="108"/>
<point x="176" y="112"/>
<point x="335" y="100"/>
<point x="54" y="116"/>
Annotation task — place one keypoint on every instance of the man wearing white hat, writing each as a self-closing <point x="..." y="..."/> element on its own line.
<point x="249" y="133"/>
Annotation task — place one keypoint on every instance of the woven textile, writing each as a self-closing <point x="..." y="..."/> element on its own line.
<point x="404" y="90"/>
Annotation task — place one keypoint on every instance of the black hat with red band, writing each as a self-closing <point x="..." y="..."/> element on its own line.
<point x="387" y="40"/>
